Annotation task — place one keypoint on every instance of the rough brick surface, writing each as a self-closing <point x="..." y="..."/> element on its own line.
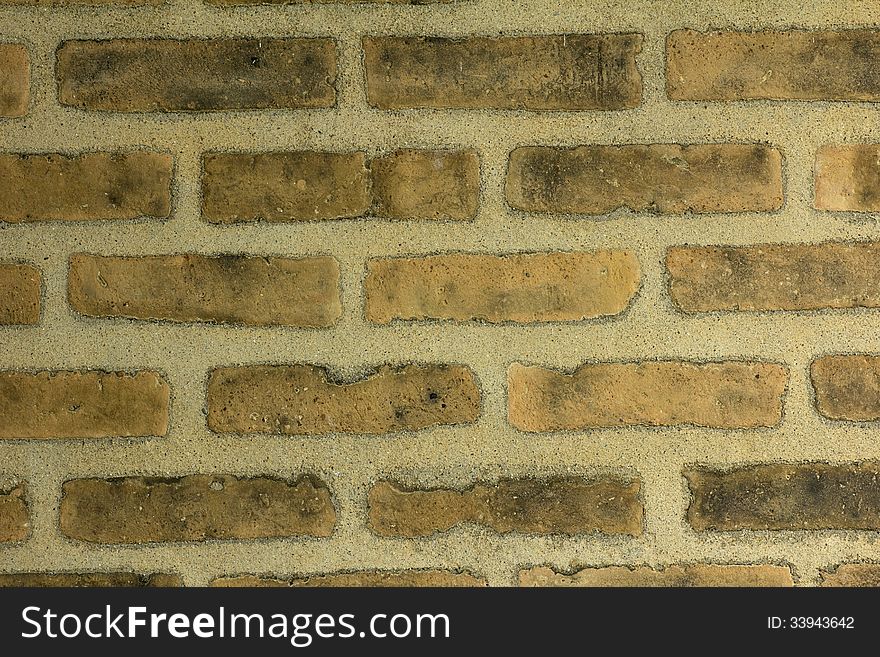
<point x="194" y="508"/>
<point x="848" y="178"/>
<point x="148" y="75"/>
<point x="775" y="276"/>
<point x="803" y="496"/>
<point x="233" y="289"/>
<point x="537" y="287"/>
<point x="344" y="2"/>
<point x="84" y="187"/>
<point x="15" y="80"/>
<point x="699" y="575"/>
<point x="299" y="399"/>
<point x="567" y="505"/>
<point x="777" y="65"/>
<point x="47" y="405"/>
<point x="571" y="72"/>
<point x="14" y="517"/>
<point x="852" y="575"/>
<point x="847" y="387"/>
<point x="377" y="578"/>
<point x="661" y="178"/>
<point x="68" y="580"/>
<point x="19" y="294"/>
<point x="720" y="395"/>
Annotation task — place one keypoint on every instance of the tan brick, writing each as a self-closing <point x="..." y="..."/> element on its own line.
<point x="412" y="184"/>
<point x="194" y="508"/>
<point x="155" y="75"/>
<point x="343" y="2"/>
<point x="660" y="178"/>
<point x="19" y="294"/>
<point x="78" y="3"/>
<point x="67" y="580"/>
<point x="15" y="80"/>
<point x="84" y="187"/>
<point x="775" y="65"/>
<point x="775" y="276"/>
<point x="725" y="395"/>
<point x="532" y="287"/>
<point x="847" y="387"/>
<point x="235" y="289"/>
<point x="560" y="72"/>
<point x="47" y="405"/>
<point x="848" y="178"/>
<point x="797" y="496"/>
<point x="300" y="400"/>
<point x="689" y="575"/>
<point x="14" y="516"/>
<point x="565" y="505"/>
<point x="374" y="578"/>
<point x="851" y="575"/>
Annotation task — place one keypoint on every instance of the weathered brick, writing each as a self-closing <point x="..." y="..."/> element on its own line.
<point x="300" y="400"/>
<point x="19" y="294"/>
<point x="565" y="505"/>
<point x="411" y="184"/>
<point x="68" y="580"/>
<point x="14" y="517"/>
<point x="47" y="405"/>
<point x="15" y="80"/>
<point x="775" y="65"/>
<point x="235" y="289"/>
<point x="560" y="72"/>
<point x="799" y="496"/>
<point x="533" y="287"/>
<point x="848" y="178"/>
<point x="84" y="187"/>
<point x="666" y="393"/>
<point x="775" y="276"/>
<point x="851" y="575"/>
<point x="194" y="508"/>
<point x="151" y="75"/>
<point x="343" y="2"/>
<point x="847" y="387"/>
<point x="661" y="178"/>
<point x="688" y="575"/>
<point x="405" y="578"/>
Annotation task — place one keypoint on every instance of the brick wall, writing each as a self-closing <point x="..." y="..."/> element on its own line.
<point x="451" y="293"/>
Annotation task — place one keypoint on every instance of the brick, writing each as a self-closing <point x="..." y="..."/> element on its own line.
<point x="235" y="289"/>
<point x="14" y="517"/>
<point x="84" y="187"/>
<point x="374" y="578"/>
<point x="166" y="75"/>
<point x="534" y="287"/>
<point x="565" y="505"/>
<point x="561" y="72"/>
<point x="727" y="395"/>
<point x="689" y="575"/>
<point x="15" y="80"/>
<point x="775" y="497"/>
<point x="67" y="580"/>
<point x="301" y="400"/>
<point x="847" y="387"/>
<point x="46" y="405"/>
<point x="19" y="294"/>
<point x="851" y="575"/>
<point x="658" y="178"/>
<point x="412" y="184"/>
<point x="848" y="178"/>
<point x="775" y="277"/>
<point x="194" y="508"/>
<point x="774" y="65"/>
<point x="343" y="2"/>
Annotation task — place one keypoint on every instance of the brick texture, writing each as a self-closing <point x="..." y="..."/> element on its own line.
<point x="804" y="496"/>
<point x="847" y="387"/>
<point x="690" y="575"/>
<point x="14" y="516"/>
<point x="848" y="178"/>
<point x="720" y="395"/>
<point x="68" y="580"/>
<point x="46" y="405"/>
<point x="571" y="72"/>
<point x="19" y="294"/>
<point x="230" y="289"/>
<point x="376" y="578"/>
<point x="661" y="178"/>
<point x="852" y="575"/>
<point x="194" y="508"/>
<point x="567" y="505"/>
<point x="15" y="80"/>
<point x="300" y="400"/>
